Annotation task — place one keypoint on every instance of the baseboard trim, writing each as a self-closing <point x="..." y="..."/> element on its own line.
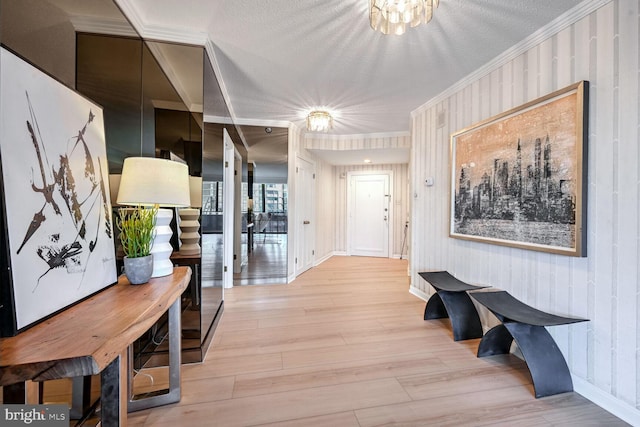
<point x="419" y="293"/>
<point x="317" y="262"/>
<point x="606" y="401"/>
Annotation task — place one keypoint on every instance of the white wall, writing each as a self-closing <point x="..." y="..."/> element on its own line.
<point x="602" y="47"/>
<point x="325" y="210"/>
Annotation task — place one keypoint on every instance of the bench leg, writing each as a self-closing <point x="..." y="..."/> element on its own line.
<point x="496" y="341"/>
<point x="465" y="321"/>
<point x="546" y="363"/>
<point x="435" y="309"/>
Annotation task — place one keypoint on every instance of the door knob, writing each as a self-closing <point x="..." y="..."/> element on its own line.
<point x="306" y="222"/>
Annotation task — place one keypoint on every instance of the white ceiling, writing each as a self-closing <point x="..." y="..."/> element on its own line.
<point x="278" y="59"/>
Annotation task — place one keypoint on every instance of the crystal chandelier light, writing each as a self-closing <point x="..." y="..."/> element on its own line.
<point x="393" y="16"/>
<point x="319" y="121"/>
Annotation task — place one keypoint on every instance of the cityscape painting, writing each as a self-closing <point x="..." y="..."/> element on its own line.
<point x="517" y="179"/>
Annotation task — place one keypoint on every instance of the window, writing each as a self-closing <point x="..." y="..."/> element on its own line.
<point x="211" y="197"/>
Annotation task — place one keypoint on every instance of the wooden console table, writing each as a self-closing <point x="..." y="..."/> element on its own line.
<point x="94" y="336"/>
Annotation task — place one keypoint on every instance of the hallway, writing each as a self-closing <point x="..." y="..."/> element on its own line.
<point x="345" y="345"/>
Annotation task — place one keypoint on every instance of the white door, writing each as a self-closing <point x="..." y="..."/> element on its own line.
<point x="228" y="210"/>
<point x="369" y="214"/>
<point x="305" y="223"/>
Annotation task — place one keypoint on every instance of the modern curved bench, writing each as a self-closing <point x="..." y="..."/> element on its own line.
<point x="526" y="325"/>
<point x="451" y="300"/>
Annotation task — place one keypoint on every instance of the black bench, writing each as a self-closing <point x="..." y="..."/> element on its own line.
<point x="526" y="325"/>
<point x="451" y="300"/>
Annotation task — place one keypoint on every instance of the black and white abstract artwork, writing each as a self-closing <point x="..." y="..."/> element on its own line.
<point x="55" y="184"/>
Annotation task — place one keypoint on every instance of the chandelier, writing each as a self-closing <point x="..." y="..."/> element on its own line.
<point x="393" y="16"/>
<point x="319" y="121"/>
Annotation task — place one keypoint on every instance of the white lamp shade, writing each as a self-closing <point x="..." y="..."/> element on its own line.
<point x="148" y="181"/>
<point x="195" y="191"/>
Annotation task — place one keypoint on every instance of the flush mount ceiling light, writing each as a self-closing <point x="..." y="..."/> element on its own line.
<point x="319" y="121"/>
<point x="393" y="16"/>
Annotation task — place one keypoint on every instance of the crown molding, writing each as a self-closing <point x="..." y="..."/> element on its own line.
<point x="572" y="16"/>
<point x="131" y="14"/>
<point x="398" y="134"/>
<point x="173" y="35"/>
<point x="159" y="33"/>
<point x="217" y="119"/>
<point x="263" y="122"/>
<point x="101" y="25"/>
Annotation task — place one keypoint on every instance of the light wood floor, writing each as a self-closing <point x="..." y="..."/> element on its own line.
<point x="345" y="345"/>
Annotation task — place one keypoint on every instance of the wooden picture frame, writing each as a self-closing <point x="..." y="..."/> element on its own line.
<point x="519" y="179"/>
<point x="55" y="213"/>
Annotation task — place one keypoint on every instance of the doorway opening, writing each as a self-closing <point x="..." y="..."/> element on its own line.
<point x="263" y="204"/>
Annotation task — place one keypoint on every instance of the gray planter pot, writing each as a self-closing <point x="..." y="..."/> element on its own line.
<point x="138" y="270"/>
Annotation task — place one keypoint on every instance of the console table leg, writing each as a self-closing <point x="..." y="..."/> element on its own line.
<point x="113" y="393"/>
<point x="463" y="314"/>
<point x="496" y="341"/>
<point x="435" y="309"/>
<point x="546" y="363"/>
<point x="173" y="393"/>
<point x="80" y="397"/>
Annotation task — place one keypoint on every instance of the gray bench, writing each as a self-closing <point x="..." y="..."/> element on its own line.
<point x="451" y="300"/>
<point x="526" y="325"/>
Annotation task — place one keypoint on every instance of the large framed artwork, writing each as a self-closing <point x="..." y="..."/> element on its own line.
<point x="518" y="179"/>
<point x="56" y="214"/>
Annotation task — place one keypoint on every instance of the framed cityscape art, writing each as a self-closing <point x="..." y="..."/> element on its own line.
<point x="518" y="179"/>
<point x="57" y="229"/>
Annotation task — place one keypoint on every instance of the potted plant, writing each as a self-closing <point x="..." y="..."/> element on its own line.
<point x="136" y="236"/>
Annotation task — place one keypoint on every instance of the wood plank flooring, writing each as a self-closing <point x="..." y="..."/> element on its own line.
<point x="345" y="345"/>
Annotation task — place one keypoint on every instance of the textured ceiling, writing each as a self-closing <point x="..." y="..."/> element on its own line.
<point x="280" y="58"/>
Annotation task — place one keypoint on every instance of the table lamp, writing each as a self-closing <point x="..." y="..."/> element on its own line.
<point x="189" y="219"/>
<point x="148" y="181"/>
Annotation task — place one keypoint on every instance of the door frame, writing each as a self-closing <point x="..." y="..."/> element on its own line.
<point x="298" y="267"/>
<point x="351" y="195"/>
<point x="231" y="192"/>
